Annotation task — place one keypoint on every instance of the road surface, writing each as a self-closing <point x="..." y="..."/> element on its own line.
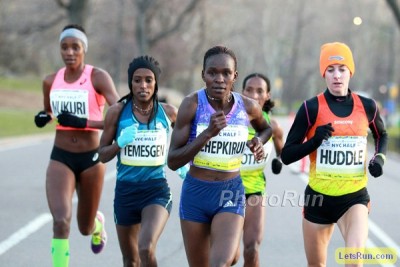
<point x="26" y="229"/>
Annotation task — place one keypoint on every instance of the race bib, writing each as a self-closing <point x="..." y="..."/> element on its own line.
<point x="148" y="149"/>
<point x="222" y="152"/>
<point x="250" y="164"/>
<point x="342" y="157"/>
<point x="70" y="100"/>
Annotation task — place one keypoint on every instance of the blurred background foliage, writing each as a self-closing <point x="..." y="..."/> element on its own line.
<point x="280" y="38"/>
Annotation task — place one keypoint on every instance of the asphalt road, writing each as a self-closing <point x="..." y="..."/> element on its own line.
<point x="26" y="231"/>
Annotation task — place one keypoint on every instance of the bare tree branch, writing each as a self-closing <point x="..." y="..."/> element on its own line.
<point x="77" y="10"/>
<point x="394" y="6"/>
<point x="41" y="27"/>
<point x="62" y="4"/>
<point x="175" y="27"/>
<point x="145" y="4"/>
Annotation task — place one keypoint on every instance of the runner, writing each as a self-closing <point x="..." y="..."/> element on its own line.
<point x="75" y="96"/>
<point x="211" y="132"/>
<point x="335" y="124"/>
<point x="258" y="87"/>
<point x="136" y="130"/>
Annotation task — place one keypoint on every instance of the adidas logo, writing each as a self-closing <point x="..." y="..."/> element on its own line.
<point x="229" y="204"/>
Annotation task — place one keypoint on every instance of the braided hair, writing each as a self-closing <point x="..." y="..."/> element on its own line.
<point x="146" y="62"/>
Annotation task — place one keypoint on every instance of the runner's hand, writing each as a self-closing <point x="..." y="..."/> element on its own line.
<point x="182" y="171"/>
<point x="127" y="135"/>
<point x="257" y="147"/>
<point x="322" y="133"/>
<point x="375" y="166"/>
<point x="70" y="120"/>
<point x="276" y="166"/>
<point x="217" y="122"/>
<point x="42" y="118"/>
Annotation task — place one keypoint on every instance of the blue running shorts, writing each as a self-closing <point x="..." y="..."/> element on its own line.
<point x="132" y="197"/>
<point x="202" y="200"/>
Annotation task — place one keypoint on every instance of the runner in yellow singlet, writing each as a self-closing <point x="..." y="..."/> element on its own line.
<point x="258" y="87"/>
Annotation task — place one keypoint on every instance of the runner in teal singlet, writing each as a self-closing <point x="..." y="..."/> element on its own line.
<point x="136" y="131"/>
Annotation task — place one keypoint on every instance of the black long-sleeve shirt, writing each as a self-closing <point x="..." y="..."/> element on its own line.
<point x="342" y="106"/>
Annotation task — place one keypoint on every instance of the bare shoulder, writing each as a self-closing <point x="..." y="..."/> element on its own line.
<point x="170" y="110"/>
<point x="100" y="77"/>
<point x="190" y="100"/>
<point x="114" y="110"/>
<point x="249" y="103"/>
<point x="104" y="85"/>
<point x="275" y="123"/>
<point x="49" y="79"/>
<point x="253" y="109"/>
<point x="277" y="130"/>
<point x="187" y="109"/>
<point x="98" y="73"/>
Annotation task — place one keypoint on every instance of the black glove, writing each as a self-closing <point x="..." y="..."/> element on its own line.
<point x="276" y="165"/>
<point x="323" y="132"/>
<point x="42" y="118"/>
<point x="375" y="165"/>
<point x="70" y="120"/>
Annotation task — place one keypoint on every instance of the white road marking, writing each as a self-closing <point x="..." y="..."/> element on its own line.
<point x="24" y="232"/>
<point x="373" y="228"/>
<point x="35" y="225"/>
<point x="377" y="231"/>
<point x="371" y="244"/>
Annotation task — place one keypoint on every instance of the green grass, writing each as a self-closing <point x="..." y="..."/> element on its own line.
<point x="394" y="139"/>
<point x="30" y="84"/>
<point x="393" y="131"/>
<point x="19" y="123"/>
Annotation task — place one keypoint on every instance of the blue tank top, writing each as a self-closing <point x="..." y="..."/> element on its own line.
<point x="144" y="158"/>
<point x="222" y="152"/>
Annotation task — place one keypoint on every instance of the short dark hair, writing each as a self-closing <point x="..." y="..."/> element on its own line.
<point x="216" y="50"/>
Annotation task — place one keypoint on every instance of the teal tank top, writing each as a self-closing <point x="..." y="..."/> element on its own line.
<point x="144" y="158"/>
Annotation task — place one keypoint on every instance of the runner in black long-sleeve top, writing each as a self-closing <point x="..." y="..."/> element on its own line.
<point x="341" y="106"/>
<point x="332" y="129"/>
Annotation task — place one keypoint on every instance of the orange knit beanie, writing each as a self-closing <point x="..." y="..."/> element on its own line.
<point x="335" y="53"/>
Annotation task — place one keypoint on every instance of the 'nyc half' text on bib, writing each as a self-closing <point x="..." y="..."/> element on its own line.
<point x="249" y="162"/>
<point x="70" y="100"/>
<point x="342" y="157"/>
<point x="148" y="149"/>
<point x="222" y="152"/>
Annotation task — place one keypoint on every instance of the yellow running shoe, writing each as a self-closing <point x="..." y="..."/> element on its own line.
<point x="99" y="240"/>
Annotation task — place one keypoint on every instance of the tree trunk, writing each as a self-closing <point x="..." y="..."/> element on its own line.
<point x="77" y="11"/>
